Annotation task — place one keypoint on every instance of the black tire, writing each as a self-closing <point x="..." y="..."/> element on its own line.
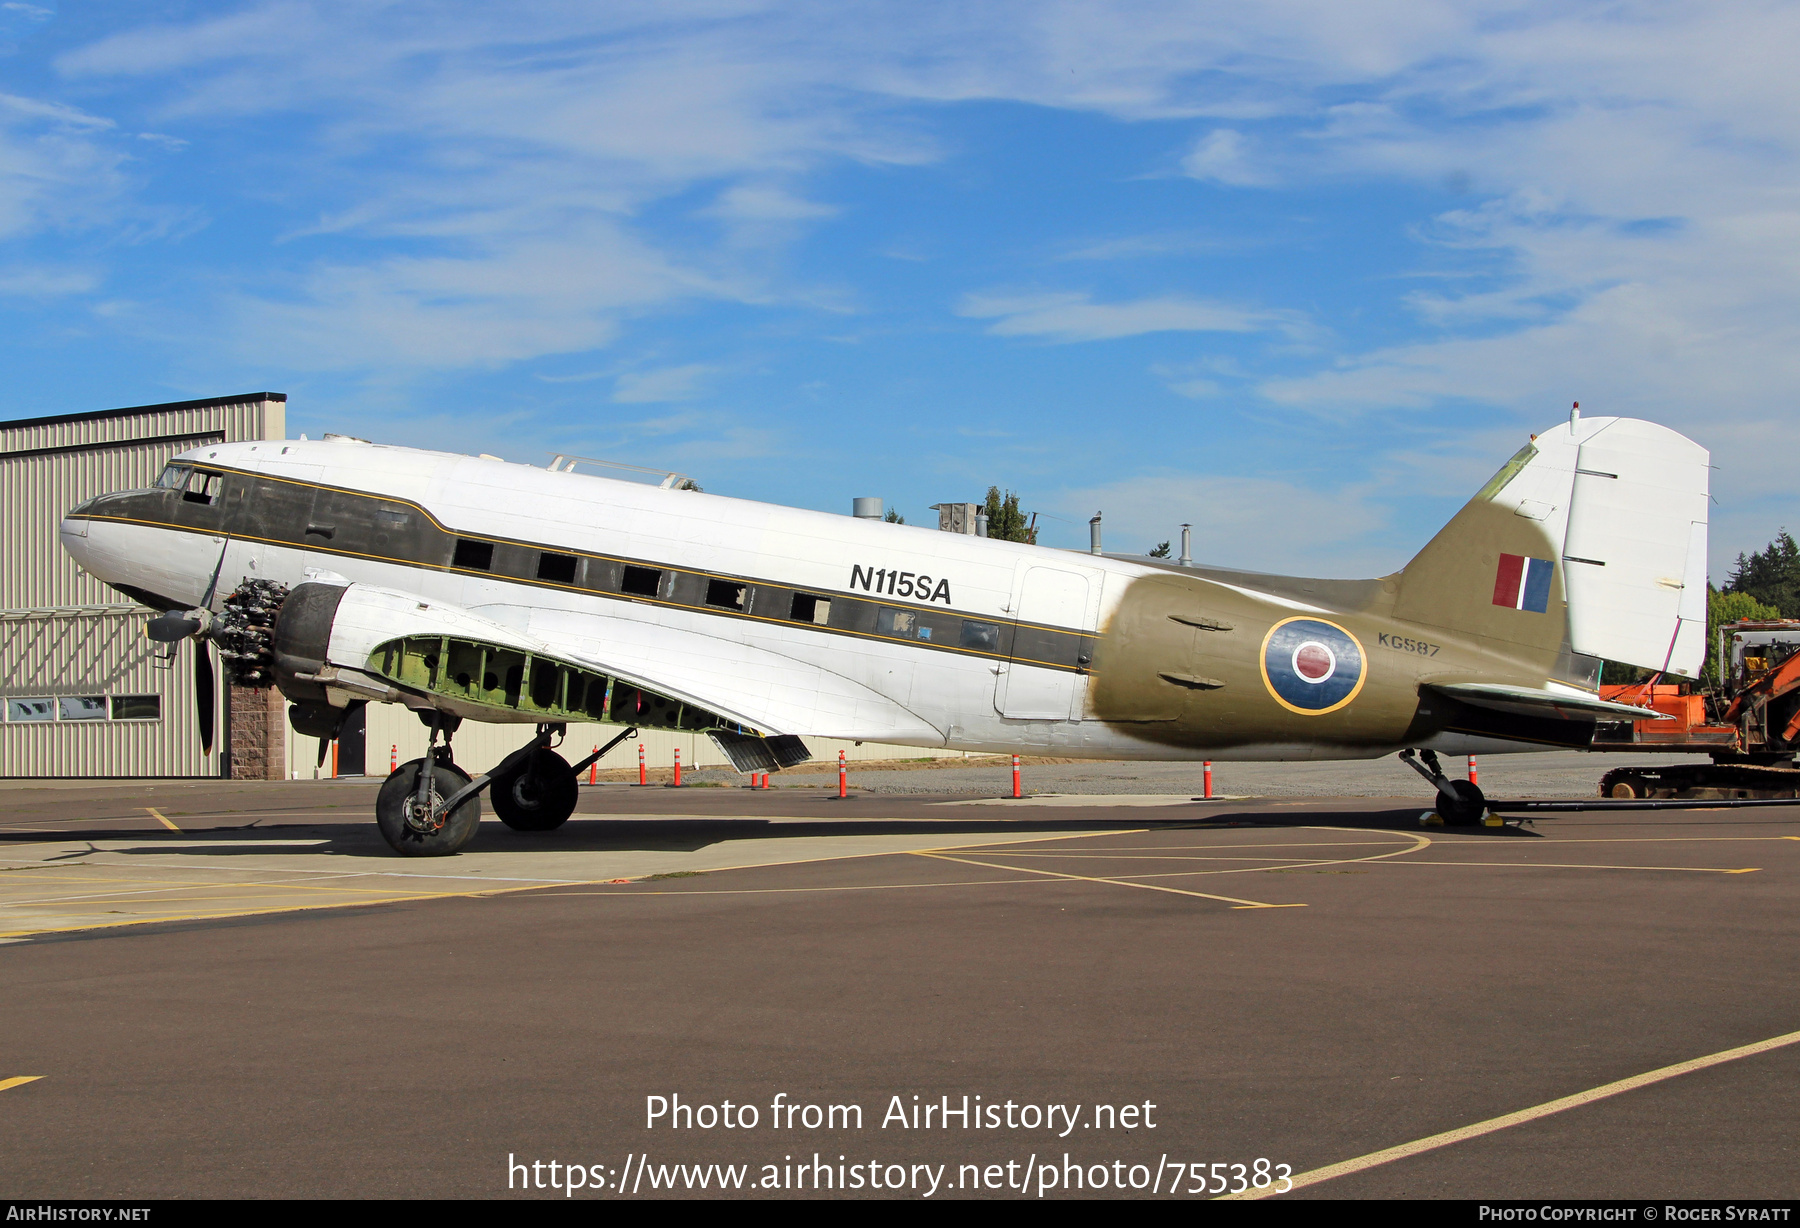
<point x="1468" y="807"/>
<point x="394" y="808"/>
<point x="538" y="797"/>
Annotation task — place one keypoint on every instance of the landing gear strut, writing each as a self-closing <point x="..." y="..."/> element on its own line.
<point x="1459" y="802"/>
<point x="426" y="808"/>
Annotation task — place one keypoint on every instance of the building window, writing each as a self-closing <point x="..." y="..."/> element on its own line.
<point x="82" y="707"/>
<point x="982" y="637"/>
<point x="556" y="568"/>
<point x="641" y="581"/>
<point x="725" y="594"/>
<point x="137" y="707"/>
<point x="474" y="555"/>
<point x="811" y="609"/>
<point x="21" y="710"/>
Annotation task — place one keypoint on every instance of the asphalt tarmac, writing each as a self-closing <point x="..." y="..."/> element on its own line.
<point x="234" y="990"/>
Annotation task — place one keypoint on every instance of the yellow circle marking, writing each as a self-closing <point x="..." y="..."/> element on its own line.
<point x="1262" y="663"/>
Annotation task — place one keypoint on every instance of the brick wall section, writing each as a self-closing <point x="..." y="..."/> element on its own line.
<point x="258" y="734"/>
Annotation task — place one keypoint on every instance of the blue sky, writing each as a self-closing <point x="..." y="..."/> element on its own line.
<point x="1300" y="273"/>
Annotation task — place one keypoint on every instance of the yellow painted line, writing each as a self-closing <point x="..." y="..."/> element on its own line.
<point x="1432" y="1143"/>
<point x="18" y="1081"/>
<point x="1116" y="882"/>
<point x="485" y="891"/>
<point x="1565" y="865"/>
<point x="162" y="818"/>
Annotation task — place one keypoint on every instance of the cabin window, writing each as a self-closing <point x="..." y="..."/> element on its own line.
<point x="641" y="581"/>
<point x="202" y="486"/>
<point x="474" y="555"/>
<point x="137" y="707"/>
<point x="725" y="594"/>
<point x="809" y="608"/>
<point x="903" y="623"/>
<point x="174" y="477"/>
<point x="556" y="568"/>
<point x="982" y="637"/>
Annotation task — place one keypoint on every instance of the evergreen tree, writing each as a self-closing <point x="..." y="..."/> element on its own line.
<point x="894" y="517"/>
<point x="1729" y="607"/>
<point x="1005" y="521"/>
<point x="1161" y="551"/>
<point x="1771" y="576"/>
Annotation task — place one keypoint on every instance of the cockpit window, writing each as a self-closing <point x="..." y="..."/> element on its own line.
<point x="203" y="486"/>
<point x="174" y="477"/>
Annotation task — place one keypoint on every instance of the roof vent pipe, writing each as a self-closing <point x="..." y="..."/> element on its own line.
<point x="981" y="524"/>
<point x="866" y="509"/>
<point x="1094" y="534"/>
<point x="1187" y="546"/>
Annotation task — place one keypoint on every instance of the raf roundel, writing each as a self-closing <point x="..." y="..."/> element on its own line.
<point x="1311" y="666"/>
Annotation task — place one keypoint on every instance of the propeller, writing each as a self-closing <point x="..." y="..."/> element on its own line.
<point x="205" y="690"/>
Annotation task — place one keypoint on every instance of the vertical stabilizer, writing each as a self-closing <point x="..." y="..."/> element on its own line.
<point x="1593" y="536"/>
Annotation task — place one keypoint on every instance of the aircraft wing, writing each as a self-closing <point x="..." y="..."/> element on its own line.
<point x="394" y="637"/>
<point x="762" y="688"/>
<point x="1565" y="704"/>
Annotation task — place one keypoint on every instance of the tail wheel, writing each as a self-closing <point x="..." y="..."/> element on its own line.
<point x="1469" y="806"/>
<point x="540" y="796"/>
<point x="420" y="831"/>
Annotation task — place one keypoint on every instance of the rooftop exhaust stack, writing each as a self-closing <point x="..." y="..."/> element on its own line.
<point x="866" y="509"/>
<point x="1187" y="546"/>
<point x="981" y="524"/>
<point x="1094" y="534"/>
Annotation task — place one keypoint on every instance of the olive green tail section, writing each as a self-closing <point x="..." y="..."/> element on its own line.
<point x="1452" y="583"/>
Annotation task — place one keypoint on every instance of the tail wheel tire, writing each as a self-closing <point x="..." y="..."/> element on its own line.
<point x="1467" y="809"/>
<point x="413" y="832"/>
<point x="539" y="796"/>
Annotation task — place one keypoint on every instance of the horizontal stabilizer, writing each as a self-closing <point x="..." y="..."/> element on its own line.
<point x="1569" y="705"/>
<point x="753" y="754"/>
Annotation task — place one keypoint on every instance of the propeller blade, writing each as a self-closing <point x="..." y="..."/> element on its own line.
<point x="204" y="694"/>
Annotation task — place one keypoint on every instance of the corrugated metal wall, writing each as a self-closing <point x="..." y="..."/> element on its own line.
<point x="66" y="634"/>
<point x="100" y="653"/>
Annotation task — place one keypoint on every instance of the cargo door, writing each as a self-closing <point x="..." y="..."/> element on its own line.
<point x="1039" y="680"/>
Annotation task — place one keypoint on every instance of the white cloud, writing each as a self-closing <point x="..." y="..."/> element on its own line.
<point x="1255" y="523"/>
<point x="668" y="384"/>
<point x="1068" y="317"/>
<point x="46" y="282"/>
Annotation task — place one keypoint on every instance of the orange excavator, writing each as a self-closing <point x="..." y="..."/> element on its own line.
<point x="1749" y="723"/>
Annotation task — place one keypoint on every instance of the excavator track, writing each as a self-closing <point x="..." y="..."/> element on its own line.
<point x="1701" y="781"/>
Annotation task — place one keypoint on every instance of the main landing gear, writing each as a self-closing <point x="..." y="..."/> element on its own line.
<point x="1459" y="802"/>
<point x="436" y="813"/>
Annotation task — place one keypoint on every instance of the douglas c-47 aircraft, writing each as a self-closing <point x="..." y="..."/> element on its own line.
<point x="345" y="572"/>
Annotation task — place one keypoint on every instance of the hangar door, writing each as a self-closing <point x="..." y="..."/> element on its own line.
<point x="1049" y="598"/>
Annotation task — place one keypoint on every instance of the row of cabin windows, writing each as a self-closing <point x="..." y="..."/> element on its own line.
<point x="636" y="581"/>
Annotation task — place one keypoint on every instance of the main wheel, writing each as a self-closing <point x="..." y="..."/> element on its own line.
<point x="1468" y="807"/>
<point x="415" y="833"/>
<point x="539" y="796"/>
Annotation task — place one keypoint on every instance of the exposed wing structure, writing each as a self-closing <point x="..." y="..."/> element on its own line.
<point x="1565" y="703"/>
<point x="531" y="665"/>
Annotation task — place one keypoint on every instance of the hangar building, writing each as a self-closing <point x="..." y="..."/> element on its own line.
<point x="84" y="694"/>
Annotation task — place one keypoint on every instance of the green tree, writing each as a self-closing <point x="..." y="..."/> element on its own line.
<point x="1771" y="576"/>
<point x="1161" y="551"/>
<point x="1006" y="521"/>
<point x="1729" y="607"/>
<point x="892" y="517"/>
